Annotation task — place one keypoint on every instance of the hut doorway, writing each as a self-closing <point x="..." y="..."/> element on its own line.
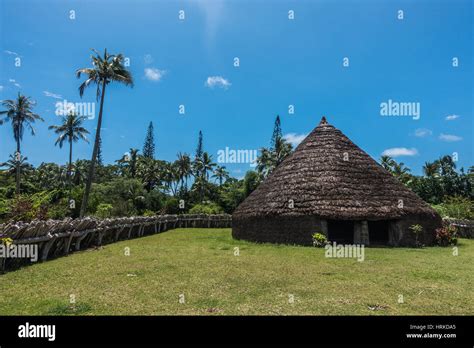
<point x="379" y="232"/>
<point x="341" y="231"/>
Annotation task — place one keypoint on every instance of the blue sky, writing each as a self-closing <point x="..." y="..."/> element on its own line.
<point x="282" y="62"/>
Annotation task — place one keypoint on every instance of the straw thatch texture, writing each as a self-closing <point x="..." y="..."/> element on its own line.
<point x="328" y="177"/>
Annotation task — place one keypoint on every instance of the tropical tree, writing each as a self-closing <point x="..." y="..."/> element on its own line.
<point x="199" y="148"/>
<point x="279" y="149"/>
<point x="20" y="114"/>
<point x="184" y="169"/>
<point x="70" y="130"/>
<point x="149" y="171"/>
<point x="170" y="177"/>
<point x="387" y="162"/>
<point x="14" y="162"/>
<point x="221" y="174"/>
<point x="105" y="69"/>
<point x="149" y="145"/>
<point x="207" y="165"/>
<point x="128" y="163"/>
<point x="431" y="169"/>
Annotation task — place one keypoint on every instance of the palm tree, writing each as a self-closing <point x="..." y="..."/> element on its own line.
<point x="184" y="168"/>
<point x="207" y="165"/>
<point x="269" y="159"/>
<point x="221" y="174"/>
<point x="170" y="177"/>
<point x="12" y="164"/>
<point x="149" y="171"/>
<point x="105" y="70"/>
<point x="431" y="169"/>
<point x="19" y="113"/>
<point x="70" y="130"/>
<point x="387" y="162"/>
<point x="128" y="163"/>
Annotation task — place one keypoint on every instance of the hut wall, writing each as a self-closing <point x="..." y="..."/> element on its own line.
<point x="401" y="235"/>
<point x="278" y="229"/>
<point x="361" y="233"/>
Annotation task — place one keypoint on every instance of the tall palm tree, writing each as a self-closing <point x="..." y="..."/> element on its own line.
<point x="221" y="174"/>
<point x="106" y="69"/>
<point x="170" y="176"/>
<point x="20" y="114"/>
<point x="70" y="130"/>
<point x="184" y="168"/>
<point x="207" y="165"/>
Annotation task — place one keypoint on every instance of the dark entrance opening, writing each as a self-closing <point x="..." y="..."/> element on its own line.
<point x="378" y="232"/>
<point x="341" y="231"/>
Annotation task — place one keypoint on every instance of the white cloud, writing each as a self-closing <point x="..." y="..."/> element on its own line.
<point x="217" y="81"/>
<point x="11" y="80"/>
<point x="423" y="132"/>
<point x="451" y="117"/>
<point x="154" y="74"/>
<point x="1" y="88"/>
<point x="11" y="53"/>
<point x="400" y="151"/>
<point x="449" y="137"/>
<point x="294" y="139"/>
<point x="52" y="95"/>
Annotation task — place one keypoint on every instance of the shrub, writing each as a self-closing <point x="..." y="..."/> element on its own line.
<point x="22" y="209"/>
<point x="417" y="231"/>
<point x="104" y="210"/>
<point x="210" y="208"/>
<point x="171" y="206"/>
<point x="6" y="241"/>
<point x="446" y="235"/>
<point x="319" y="240"/>
<point x="149" y="213"/>
<point x="456" y="208"/>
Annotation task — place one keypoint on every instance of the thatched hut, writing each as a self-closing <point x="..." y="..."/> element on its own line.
<point x="329" y="185"/>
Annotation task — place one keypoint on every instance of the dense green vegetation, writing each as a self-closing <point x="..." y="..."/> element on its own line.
<point x="202" y="266"/>
<point x="450" y="192"/>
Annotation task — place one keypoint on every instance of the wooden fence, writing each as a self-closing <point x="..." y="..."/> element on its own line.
<point x="55" y="238"/>
<point x="465" y="228"/>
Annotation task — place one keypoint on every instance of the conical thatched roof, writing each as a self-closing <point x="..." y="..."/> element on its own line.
<point x="329" y="176"/>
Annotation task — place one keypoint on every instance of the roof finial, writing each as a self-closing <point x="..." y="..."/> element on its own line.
<point x="323" y="121"/>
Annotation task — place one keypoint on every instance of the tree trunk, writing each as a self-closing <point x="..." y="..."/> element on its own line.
<point x="69" y="176"/>
<point x="87" y="190"/>
<point x="18" y="158"/>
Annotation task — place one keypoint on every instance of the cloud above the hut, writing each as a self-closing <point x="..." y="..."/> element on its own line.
<point x="154" y="74"/>
<point x="294" y="139"/>
<point x="449" y="137"/>
<point x="400" y="151"/>
<point x="423" y="132"/>
<point x="217" y="81"/>
<point x="11" y="53"/>
<point x="451" y="117"/>
<point x="52" y="95"/>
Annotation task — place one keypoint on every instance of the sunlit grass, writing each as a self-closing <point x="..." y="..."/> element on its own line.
<point x="200" y="264"/>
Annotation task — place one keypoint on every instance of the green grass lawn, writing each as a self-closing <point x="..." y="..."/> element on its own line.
<point x="200" y="264"/>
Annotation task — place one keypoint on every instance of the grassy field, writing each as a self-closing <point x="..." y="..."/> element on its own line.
<point x="200" y="264"/>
